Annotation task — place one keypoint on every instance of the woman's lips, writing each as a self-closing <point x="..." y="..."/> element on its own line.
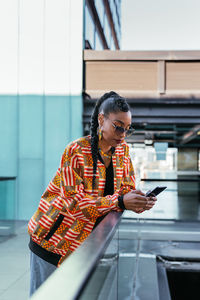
<point x="118" y="141"/>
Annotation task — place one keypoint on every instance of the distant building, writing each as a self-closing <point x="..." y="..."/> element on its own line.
<point x="102" y="25"/>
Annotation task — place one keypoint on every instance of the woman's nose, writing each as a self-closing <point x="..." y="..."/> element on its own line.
<point x="123" y="135"/>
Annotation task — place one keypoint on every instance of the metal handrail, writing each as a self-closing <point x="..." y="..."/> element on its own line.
<point x="68" y="281"/>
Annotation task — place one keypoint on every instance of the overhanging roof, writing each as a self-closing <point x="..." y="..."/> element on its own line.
<point x="162" y="88"/>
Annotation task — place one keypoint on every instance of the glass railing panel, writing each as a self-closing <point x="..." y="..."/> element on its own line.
<point x="120" y="256"/>
<point x="103" y="283"/>
<point x="180" y="201"/>
<point x="169" y="229"/>
<point x="91" y="271"/>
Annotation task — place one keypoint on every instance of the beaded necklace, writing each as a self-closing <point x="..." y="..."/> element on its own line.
<point x="104" y="154"/>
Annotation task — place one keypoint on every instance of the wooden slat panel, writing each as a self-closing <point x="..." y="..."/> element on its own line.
<point x="183" y="76"/>
<point x="124" y="76"/>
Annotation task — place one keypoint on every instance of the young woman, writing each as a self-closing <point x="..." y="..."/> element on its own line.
<point x="95" y="176"/>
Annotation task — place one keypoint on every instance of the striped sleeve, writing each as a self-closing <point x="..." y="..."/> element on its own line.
<point x="128" y="182"/>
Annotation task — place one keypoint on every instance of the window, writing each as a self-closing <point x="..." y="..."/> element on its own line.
<point x="89" y="28"/>
<point x="100" y="10"/>
<point x="107" y="31"/>
<point x="98" y="44"/>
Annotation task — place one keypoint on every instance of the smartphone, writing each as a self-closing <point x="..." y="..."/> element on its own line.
<point x="155" y="191"/>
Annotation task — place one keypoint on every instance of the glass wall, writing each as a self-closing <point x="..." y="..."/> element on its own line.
<point x="89" y="28"/>
<point x="180" y="201"/>
<point x="98" y="43"/>
<point x="92" y="34"/>
<point x="100" y="10"/>
<point x="107" y="31"/>
<point x="147" y="165"/>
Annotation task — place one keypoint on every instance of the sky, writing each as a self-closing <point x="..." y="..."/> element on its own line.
<point x="160" y="25"/>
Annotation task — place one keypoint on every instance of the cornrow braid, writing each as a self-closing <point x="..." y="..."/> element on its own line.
<point x="94" y="135"/>
<point x="109" y="102"/>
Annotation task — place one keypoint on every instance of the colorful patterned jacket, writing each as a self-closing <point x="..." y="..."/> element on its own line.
<point x="69" y="207"/>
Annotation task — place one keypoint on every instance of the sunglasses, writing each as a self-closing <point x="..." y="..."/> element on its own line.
<point x="120" y="130"/>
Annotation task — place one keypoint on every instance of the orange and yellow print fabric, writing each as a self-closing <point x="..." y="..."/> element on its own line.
<point x="70" y="194"/>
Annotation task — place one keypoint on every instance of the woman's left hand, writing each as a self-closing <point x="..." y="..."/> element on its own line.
<point x="150" y="203"/>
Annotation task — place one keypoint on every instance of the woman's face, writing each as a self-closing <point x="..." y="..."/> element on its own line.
<point x="110" y="135"/>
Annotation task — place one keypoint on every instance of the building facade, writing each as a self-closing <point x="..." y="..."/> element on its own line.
<point x="41" y="85"/>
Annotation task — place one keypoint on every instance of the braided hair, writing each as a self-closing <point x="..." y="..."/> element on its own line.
<point x="109" y="103"/>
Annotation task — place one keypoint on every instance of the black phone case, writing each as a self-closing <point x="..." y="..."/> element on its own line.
<point x="156" y="191"/>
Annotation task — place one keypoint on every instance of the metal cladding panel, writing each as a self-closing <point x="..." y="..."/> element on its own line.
<point x="42" y="43"/>
<point x="9" y="46"/>
<point x="30" y="47"/>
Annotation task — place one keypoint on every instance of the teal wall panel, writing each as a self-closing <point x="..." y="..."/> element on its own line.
<point x="77" y="117"/>
<point x="63" y="124"/>
<point x="34" y="131"/>
<point x="7" y="200"/>
<point x="30" y="160"/>
<point x="11" y="205"/>
<point x="3" y="198"/>
<point x="57" y="132"/>
<point x="8" y="136"/>
<point x="31" y="127"/>
<point x="30" y="187"/>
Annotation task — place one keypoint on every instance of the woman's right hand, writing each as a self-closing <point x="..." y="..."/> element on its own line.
<point x="136" y="201"/>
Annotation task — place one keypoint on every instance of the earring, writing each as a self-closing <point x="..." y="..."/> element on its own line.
<point x="100" y="134"/>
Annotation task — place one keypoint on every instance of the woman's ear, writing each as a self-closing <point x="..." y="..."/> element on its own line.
<point x="100" y="119"/>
